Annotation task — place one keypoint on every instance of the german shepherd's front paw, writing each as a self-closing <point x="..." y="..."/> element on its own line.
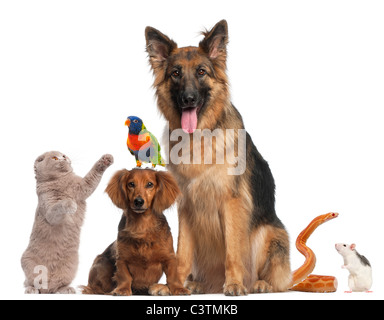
<point x="181" y="292"/>
<point x="262" y="286"/>
<point x="235" y="289"/>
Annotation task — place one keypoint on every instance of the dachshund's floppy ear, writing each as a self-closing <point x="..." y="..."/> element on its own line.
<point x="167" y="191"/>
<point x="117" y="188"/>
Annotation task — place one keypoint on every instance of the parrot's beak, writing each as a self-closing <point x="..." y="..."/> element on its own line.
<point x="128" y="122"/>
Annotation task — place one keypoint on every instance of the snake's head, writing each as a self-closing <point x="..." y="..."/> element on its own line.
<point x="331" y="215"/>
<point x="325" y="217"/>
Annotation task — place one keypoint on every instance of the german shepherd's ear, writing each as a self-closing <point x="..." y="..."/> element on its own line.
<point x="215" y="42"/>
<point x="117" y="188"/>
<point x="159" y="46"/>
<point x="167" y="191"/>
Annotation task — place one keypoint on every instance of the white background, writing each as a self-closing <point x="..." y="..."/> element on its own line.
<point x="307" y="76"/>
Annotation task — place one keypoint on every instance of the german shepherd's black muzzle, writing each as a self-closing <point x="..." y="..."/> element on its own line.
<point x="189" y="101"/>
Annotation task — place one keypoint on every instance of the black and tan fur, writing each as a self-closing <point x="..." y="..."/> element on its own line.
<point x="229" y="234"/>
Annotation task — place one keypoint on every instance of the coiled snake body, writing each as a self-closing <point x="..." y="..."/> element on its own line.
<point x="302" y="279"/>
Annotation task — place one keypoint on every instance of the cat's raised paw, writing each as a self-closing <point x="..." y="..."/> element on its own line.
<point x="105" y="161"/>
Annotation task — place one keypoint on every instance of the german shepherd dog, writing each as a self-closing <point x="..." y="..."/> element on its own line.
<point x="229" y="234"/>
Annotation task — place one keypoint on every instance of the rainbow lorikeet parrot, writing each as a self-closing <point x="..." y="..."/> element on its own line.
<point x="143" y="144"/>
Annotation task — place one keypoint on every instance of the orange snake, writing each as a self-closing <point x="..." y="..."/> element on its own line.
<point x="302" y="279"/>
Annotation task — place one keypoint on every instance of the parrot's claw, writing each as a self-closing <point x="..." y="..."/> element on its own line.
<point x="138" y="163"/>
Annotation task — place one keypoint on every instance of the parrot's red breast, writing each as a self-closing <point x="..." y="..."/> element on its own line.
<point x="136" y="141"/>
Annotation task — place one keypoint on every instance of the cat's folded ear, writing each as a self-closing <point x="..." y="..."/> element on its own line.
<point x="41" y="158"/>
<point x="117" y="188"/>
<point x="37" y="161"/>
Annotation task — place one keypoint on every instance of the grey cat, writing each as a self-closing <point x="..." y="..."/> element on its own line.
<point x="51" y="258"/>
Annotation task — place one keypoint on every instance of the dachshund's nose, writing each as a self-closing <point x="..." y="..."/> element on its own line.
<point x="139" y="201"/>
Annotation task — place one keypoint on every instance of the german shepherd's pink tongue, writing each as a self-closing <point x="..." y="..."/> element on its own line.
<point x="189" y="120"/>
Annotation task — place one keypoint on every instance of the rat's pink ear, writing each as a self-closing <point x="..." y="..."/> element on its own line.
<point x="353" y="246"/>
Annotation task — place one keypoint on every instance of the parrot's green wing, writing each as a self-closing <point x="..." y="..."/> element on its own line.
<point x="156" y="159"/>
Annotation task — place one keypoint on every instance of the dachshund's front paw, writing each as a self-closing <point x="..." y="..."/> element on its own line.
<point x="181" y="292"/>
<point x="122" y="292"/>
<point x="159" y="290"/>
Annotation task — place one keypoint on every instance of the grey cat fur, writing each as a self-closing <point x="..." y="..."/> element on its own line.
<point x="55" y="236"/>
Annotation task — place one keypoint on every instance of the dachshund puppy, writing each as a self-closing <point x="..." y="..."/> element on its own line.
<point x="135" y="262"/>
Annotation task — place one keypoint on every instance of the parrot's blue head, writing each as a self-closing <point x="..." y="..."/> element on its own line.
<point x="135" y="125"/>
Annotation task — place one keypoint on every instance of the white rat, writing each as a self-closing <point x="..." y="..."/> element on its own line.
<point x="360" y="278"/>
